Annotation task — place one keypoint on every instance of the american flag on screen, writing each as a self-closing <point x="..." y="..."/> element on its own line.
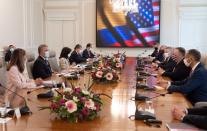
<point x="147" y="20"/>
<point x="140" y="29"/>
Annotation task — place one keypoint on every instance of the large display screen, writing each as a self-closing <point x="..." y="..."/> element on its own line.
<point x="132" y="24"/>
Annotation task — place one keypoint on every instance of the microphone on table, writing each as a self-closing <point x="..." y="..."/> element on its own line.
<point x="146" y="115"/>
<point x="140" y="97"/>
<point x="25" y="110"/>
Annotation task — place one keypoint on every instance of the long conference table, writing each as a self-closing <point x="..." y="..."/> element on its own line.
<point x="114" y="114"/>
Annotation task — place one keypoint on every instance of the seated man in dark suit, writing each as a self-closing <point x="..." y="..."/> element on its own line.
<point x="76" y="56"/>
<point x="155" y="52"/>
<point x="181" y="71"/>
<point x="195" y="86"/>
<point x="169" y="63"/>
<point x="87" y="53"/>
<point x="41" y="67"/>
<point x="194" y="116"/>
<point x="160" y="55"/>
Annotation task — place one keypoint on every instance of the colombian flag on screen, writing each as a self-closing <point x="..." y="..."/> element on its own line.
<point x="128" y="30"/>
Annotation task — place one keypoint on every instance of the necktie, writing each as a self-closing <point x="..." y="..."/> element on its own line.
<point x="89" y="53"/>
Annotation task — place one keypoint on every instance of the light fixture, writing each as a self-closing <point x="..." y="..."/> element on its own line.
<point x="124" y="6"/>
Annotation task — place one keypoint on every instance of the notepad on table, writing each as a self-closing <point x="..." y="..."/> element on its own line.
<point x="182" y="127"/>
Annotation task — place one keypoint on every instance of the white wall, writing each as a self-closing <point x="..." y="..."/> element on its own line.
<point x="68" y="22"/>
<point x="12" y="22"/>
<point x="21" y="23"/>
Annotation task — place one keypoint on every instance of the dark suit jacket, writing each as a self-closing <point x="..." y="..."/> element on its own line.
<point x="180" y="72"/>
<point x="159" y="57"/>
<point x="195" y="87"/>
<point x="41" y="68"/>
<point x="154" y="53"/>
<point x="8" y="56"/>
<point x="87" y="54"/>
<point x="77" y="58"/>
<point x="197" y="117"/>
<point x="168" y="65"/>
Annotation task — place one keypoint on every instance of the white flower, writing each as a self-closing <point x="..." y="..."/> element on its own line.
<point x="85" y="92"/>
<point x="99" y="74"/>
<point x="109" y="76"/>
<point x="71" y="106"/>
<point x="55" y="94"/>
<point x="90" y="104"/>
<point x="67" y="90"/>
<point x="91" y="95"/>
<point x="75" y="98"/>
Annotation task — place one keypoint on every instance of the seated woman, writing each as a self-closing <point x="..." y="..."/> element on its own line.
<point x="64" y="58"/>
<point x="17" y="79"/>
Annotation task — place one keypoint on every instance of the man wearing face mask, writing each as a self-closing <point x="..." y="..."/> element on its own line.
<point x="160" y="55"/>
<point x="9" y="52"/>
<point x="87" y="53"/>
<point x="181" y="71"/>
<point x="76" y="55"/>
<point x="169" y="63"/>
<point x="195" y="86"/>
<point x="155" y="52"/>
<point x="41" y="67"/>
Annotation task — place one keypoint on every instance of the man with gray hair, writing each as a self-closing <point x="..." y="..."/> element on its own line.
<point x="41" y="67"/>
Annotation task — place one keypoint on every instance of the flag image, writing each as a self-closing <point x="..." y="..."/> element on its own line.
<point x="129" y="28"/>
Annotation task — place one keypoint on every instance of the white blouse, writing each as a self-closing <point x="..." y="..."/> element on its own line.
<point x="64" y="63"/>
<point x="17" y="82"/>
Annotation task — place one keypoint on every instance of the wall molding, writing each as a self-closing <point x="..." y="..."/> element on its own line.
<point x="60" y="14"/>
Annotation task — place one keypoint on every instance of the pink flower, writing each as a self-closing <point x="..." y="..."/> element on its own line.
<point x="62" y="102"/>
<point x="54" y="106"/>
<point x="90" y="104"/>
<point x="85" y="111"/>
<point x="71" y="106"/>
<point x="109" y="76"/>
<point x="97" y="107"/>
<point x="77" y="90"/>
<point x="82" y="99"/>
<point x="99" y="74"/>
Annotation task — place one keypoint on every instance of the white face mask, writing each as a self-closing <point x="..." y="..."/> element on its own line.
<point x="47" y="54"/>
<point x="11" y="49"/>
<point x="186" y="62"/>
<point x="166" y="55"/>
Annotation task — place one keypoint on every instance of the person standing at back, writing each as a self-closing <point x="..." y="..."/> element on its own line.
<point x="9" y="52"/>
<point x="41" y="67"/>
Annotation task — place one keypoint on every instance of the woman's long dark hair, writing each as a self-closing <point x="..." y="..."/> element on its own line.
<point x="17" y="59"/>
<point x="64" y="53"/>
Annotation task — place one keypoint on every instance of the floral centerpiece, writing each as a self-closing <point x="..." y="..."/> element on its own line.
<point x="75" y="104"/>
<point x="102" y="74"/>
